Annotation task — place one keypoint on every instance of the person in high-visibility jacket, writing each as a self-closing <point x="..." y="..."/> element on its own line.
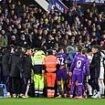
<point x="50" y="63"/>
<point x="37" y="62"/>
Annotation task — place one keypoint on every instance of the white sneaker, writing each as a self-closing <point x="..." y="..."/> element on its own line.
<point x="23" y="96"/>
<point x="95" y="92"/>
<point x="14" y="95"/>
<point x="59" y="96"/>
<point x="65" y="95"/>
<point x="71" y="96"/>
<point x="96" y="95"/>
<point x="8" y="95"/>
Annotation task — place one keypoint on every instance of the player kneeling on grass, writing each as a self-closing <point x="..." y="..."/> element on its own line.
<point x="77" y="71"/>
<point x="50" y="63"/>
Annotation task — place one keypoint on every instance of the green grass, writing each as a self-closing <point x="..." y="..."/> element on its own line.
<point x="54" y="101"/>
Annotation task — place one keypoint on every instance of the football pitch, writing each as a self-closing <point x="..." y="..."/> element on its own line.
<point x="54" y="101"/>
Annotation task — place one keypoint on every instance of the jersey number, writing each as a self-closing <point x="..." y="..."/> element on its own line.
<point x="61" y="61"/>
<point x="78" y="65"/>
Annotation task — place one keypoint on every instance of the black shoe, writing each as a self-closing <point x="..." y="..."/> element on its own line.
<point x="89" y="96"/>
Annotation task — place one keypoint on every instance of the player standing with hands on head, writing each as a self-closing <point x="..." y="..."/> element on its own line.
<point x="77" y="72"/>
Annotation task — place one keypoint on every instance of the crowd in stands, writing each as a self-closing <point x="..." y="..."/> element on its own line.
<point x="25" y="26"/>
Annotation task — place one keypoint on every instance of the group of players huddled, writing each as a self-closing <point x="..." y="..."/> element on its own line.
<point x="73" y="73"/>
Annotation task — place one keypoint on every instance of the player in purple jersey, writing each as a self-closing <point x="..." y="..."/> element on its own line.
<point x="61" y="73"/>
<point x="78" y="66"/>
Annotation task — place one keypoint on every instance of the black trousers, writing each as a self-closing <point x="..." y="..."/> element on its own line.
<point x="16" y="85"/>
<point x="7" y="82"/>
<point x="1" y="74"/>
<point x="24" y="84"/>
<point x="94" y="83"/>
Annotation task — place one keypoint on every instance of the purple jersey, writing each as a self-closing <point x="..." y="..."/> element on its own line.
<point x="62" y="57"/>
<point x="61" y="72"/>
<point x="80" y="64"/>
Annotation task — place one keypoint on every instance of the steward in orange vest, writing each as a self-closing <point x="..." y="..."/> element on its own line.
<point x="50" y="63"/>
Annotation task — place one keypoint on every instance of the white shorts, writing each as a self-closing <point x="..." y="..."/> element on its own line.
<point x="101" y="76"/>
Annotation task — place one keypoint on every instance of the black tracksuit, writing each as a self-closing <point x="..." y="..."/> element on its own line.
<point x="25" y="68"/>
<point x="95" y="70"/>
<point x="14" y="76"/>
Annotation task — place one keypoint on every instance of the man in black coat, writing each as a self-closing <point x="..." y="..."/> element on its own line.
<point x="0" y="64"/>
<point x="14" y="76"/>
<point x="25" y="67"/>
<point x="95" y="66"/>
<point x="5" y="67"/>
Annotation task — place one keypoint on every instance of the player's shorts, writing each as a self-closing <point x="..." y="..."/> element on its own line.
<point x="61" y="74"/>
<point x="78" y="78"/>
<point x="101" y="76"/>
<point x="50" y="79"/>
